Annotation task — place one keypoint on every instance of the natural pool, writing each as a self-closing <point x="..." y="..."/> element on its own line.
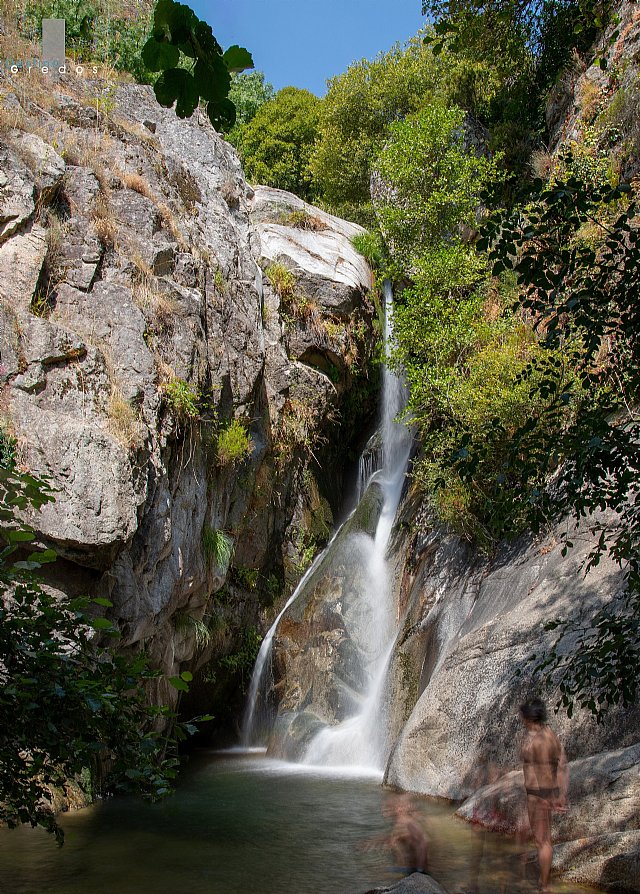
<point x="240" y="824"/>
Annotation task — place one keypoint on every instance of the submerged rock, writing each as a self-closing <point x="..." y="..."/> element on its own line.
<point x="417" y="883"/>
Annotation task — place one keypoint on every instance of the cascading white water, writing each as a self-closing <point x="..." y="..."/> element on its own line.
<point x="370" y="462"/>
<point x="249" y="732"/>
<point x="360" y="739"/>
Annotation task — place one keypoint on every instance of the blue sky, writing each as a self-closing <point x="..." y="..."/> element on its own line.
<point x="304" y="42"/>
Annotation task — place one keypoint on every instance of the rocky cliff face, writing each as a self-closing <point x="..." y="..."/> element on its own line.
<point x="179" y="400"/>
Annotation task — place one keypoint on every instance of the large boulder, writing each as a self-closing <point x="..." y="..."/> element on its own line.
<point x="599" y="834"/>
<point x="479" y="623"/>
<point x="315" y="245"/>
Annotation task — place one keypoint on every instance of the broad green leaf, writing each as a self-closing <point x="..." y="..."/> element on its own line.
<point x="179" y="684"/>
<point x="47" y="555"/>
<point x="177" y="86"/>
<point x="175" y="18"/>
<point x="158" y="56"/>
<point x="206" y="43"/>
<point x="222" y="114"/>
<point x="212" y="81"/>
<point x="102" y="624"/>
<point x="19" y="535"/>
<point x="237" y="59"/>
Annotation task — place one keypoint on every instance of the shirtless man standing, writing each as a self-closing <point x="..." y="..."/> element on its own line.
<point x="546" y="780"/>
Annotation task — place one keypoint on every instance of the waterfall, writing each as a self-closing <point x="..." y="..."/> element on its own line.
<point x="249" y="731"/>
<point x="359" y="740"/>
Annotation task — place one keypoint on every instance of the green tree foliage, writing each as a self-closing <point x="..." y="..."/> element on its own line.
<point x="461" y="351"/>
<point x="277" y="144"/>
<point x="516" y="35"/>
<point x="180" y="38"/>
<point x="68" y="705"/>
<point x="356" y="113"/>
<point x="583" y="296"/>
<point x="249" y="91"/>
<point x="363" y="103"/>
<point x="527" y="44"/>
<point x="97" y="30"/>
<point x="434" y="183"/>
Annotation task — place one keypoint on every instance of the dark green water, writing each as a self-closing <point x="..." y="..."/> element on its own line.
<point x="239" y="825"/>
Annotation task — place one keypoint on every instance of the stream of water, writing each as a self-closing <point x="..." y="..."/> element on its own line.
<point x="247" y="825"/>
<point x="360" y="740"/>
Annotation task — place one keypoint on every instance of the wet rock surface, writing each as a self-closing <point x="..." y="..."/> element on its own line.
<point x="417" y="883"/>
<point x="319" y="659"/>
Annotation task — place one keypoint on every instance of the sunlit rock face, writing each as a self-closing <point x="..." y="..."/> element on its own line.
<point x="135" y="324"/>
<point x="601" y="91"/>
<point x="473" y="627"/>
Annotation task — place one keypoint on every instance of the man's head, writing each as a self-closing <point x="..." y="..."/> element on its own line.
<point x="534" y="711"/>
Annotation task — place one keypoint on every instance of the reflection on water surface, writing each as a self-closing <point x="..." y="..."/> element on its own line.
<point x="244" y="824"/>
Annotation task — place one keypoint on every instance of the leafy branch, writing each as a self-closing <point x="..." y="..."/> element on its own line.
<point x="68" y="705"/>
<point x="180" y="38"/>
<point x="582" y="299"/>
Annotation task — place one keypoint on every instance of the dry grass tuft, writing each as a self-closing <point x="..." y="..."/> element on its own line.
<point x="165" y="310"/>
<point x="230" y="193"/>
<point x="541" y="164"/>
<point x="169" y="221"/>
<point x="166" y="373"/>
<point x="83" y="154"/>
<point x="161" y="307"/>
<point x="297" y="429"/>
<point x="12" y="117"/>
<point x="138" y="184"/>
<point x="302" y="220"/>
<point x="124" y="422"/>
<point x="105" y="223"/>
<point x="590" y="99"/>
<point x="139" y="133"/>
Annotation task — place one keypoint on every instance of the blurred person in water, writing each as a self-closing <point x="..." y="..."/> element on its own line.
<point x="546" y="781"/>
<point x="486" y="817"/>
<point x="407" y="840"/>
<point x="493" y="811"/>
